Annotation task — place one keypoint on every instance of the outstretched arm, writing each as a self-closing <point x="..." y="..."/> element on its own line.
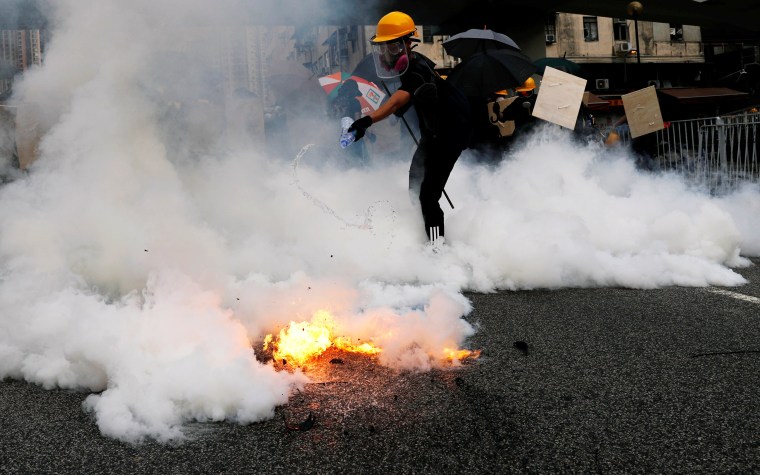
<point x="397" y="100"/>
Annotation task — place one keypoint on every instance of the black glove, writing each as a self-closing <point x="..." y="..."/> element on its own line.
<point x="360" y="126"/>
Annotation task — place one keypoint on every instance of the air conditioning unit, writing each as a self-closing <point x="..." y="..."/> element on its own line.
<point x="551" y="39"/>
<point x="602" y="83"/>
<point x="624" y="47"/>
<point x="655" y="83"/>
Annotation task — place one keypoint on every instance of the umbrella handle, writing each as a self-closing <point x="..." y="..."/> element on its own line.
<point x="416" y="142"/>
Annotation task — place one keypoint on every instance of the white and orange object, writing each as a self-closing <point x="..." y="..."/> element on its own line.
<point x="370" y="96"/>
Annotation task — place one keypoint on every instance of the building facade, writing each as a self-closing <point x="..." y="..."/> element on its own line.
<point x="614" y="58"/>
<point x="19" y="50"/>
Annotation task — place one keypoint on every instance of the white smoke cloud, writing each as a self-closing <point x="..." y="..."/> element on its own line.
<point x="561" y="215"/>
<point x="141" y="258"/>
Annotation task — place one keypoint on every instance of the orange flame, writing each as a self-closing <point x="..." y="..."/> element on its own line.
<point x="300" y="342"/>
<point x="459" y="355"/>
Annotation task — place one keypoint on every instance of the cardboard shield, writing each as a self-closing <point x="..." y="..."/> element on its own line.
<point x="559" y="98"/>
<point x="642" y="110"/>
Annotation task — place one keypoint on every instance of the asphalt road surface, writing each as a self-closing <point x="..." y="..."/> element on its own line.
<point x="608" y="381"/>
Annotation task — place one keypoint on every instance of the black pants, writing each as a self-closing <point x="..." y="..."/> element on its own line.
<point x="430" y="169"/>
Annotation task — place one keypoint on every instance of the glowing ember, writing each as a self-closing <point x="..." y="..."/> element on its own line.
<point x="345" y="344"/>
<point x="459" y="355"/>
<point x="302" y="341"/>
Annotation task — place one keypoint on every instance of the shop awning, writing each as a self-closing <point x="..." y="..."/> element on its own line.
<point x="592" y="101"/>
<point x="696" y="95"/>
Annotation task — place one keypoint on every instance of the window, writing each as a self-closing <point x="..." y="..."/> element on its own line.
<point x="321" y="64"/>
<point x="550" y="27"/>
<point x="334" y="52"/>
<point x="620" y="29"/>
<point x="353" y="37"/>
<point x="427" y="34"/>
<point x="590" y="28"/>
<point x="676" y="32"/>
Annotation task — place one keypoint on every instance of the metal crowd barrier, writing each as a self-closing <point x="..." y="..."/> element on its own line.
<point x="718" y="153"/>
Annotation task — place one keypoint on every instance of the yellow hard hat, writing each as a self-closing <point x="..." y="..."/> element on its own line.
<point x="528" y="85"/>
<point x="393" y="26"/>
<point x="503" y="92"/>
<point x="612" y="139"/>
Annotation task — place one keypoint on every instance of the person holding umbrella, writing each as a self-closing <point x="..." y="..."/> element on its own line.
<point x="491" y="62"/>
<point x="442" y="111"/>
<point x="346" y="102"/>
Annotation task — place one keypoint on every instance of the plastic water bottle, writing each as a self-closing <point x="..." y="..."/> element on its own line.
<point x="346" y="138"/>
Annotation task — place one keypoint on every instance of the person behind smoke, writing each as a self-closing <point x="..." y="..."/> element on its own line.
<point x="487" y="143"/>
<point x="442" y="111"/>
<point x="641" y="147"/>
<point x="521" y="110"/>
<point x="346" y="104"/>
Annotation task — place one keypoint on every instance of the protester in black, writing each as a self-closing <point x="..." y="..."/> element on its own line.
<point x="442" y="110"/>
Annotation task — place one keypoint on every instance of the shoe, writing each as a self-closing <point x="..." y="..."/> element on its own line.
<point x="438" y="245"/>
<point x="436" y="242"/>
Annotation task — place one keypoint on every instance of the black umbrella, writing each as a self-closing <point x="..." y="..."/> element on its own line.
<point x="558" y="63"/>
<point x="463" y="45"/>
<point x="482" y="74"/>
